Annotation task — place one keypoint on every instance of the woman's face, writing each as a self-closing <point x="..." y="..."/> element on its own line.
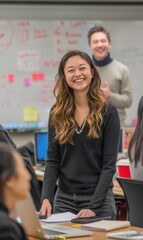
<point x="19" y="185"/>
<point x="78" y="73"/>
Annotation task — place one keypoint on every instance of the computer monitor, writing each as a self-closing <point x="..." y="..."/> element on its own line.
<point x="126" y="134"/>
<point x="121" y="147"/>
<point x="41" y="147"/>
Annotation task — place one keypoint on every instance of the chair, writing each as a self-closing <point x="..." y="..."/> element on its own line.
<point x="133" y="192"/>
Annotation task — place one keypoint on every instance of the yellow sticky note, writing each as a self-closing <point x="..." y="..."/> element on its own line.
<point x="30" y="114"/>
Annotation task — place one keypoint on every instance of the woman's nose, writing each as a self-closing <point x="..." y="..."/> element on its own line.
<point x="77" y="72"/>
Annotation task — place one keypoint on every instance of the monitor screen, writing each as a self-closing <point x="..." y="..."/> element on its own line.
<point x="121" y="148"/>
<point x="126" y="134"/>
<point x="41" y="147"/>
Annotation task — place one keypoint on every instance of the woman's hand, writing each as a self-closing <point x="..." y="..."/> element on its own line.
<point x="46" y="208"/>
<point x="85" y="213"/>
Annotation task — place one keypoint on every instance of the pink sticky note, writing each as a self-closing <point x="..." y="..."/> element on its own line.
<point x="35" y="77"/>
<point x="134" y="122"/>
<point x="11" y="78"/>
<point x="26" y="82"/>
<point x="41" y="76"/>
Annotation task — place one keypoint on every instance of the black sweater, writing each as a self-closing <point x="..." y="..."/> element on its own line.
<point x="88" y="166"/>
<point x="9" y="229"/>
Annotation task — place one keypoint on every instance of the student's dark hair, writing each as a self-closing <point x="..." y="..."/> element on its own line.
<point x="97" y="29"/>
<point x="135" y="149"/>
<point x="7" y="166"/>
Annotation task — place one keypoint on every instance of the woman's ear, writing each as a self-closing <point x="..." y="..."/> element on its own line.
<point x="10" y="183"/>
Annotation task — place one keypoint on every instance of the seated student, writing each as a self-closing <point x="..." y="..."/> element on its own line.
<point x="26" y="156"/>
<point x="135" y="149"/>
<point x="15" y="186"/>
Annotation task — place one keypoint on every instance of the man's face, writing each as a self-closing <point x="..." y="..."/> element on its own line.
<point x="99" y="45"/>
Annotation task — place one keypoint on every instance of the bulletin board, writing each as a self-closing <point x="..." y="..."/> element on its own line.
<point x="30" y="51"/>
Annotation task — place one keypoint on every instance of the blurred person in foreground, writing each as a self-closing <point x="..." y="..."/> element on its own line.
<point x="15" y="186"/>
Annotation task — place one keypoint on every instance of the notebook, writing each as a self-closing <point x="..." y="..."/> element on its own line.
<point x="26" y="215"/>
<point x="126" y="235"/>
<point x="105" y="225"/>
<point x="41" y="148"/>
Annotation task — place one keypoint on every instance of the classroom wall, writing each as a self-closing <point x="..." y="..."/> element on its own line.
<point x="71" y="12"/>
<point x="30" y="52"/>
<point x="67" y="12"/>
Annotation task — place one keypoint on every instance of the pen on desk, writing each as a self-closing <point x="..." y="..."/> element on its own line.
<point x="61" y="237"/>
<point x="76" y="225"/>
<point x="57" y="237"/>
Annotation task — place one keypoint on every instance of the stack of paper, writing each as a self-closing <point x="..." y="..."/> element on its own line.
<point x="60" y="217"/>
<point x="105" y="225"/>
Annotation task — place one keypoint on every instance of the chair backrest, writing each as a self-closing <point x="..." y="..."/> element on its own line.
<point x="133" y="192"/>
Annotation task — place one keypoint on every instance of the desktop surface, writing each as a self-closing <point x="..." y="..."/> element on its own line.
<point x="99" y="235"/>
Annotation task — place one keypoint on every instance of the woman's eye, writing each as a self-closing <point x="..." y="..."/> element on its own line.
<point x="70" y="71"/>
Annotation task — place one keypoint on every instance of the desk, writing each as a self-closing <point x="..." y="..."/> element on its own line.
<point x="120" y="201"/>
<point x="101" y="235"/>
<point x="117" y="190"/>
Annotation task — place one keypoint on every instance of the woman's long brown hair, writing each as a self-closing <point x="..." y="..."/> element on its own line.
<point x="62" y="114"/>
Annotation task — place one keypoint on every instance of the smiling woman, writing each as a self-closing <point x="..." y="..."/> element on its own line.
<point x="15" y="185"/>
<point x="78" y="74"/>
<point x="83" y="142"/>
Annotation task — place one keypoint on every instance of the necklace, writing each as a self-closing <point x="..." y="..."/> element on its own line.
<point x="82" y="127"/>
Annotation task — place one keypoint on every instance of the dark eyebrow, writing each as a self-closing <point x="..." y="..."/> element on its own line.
<point x="79" y="65"/>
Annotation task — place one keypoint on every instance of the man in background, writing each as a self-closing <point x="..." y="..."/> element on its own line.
<point x="114" y="75"/>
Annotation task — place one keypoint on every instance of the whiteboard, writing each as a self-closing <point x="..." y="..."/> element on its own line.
<point x="30" y="53"/>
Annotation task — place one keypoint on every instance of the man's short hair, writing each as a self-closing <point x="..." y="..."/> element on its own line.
<point x="96" y="29"/>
